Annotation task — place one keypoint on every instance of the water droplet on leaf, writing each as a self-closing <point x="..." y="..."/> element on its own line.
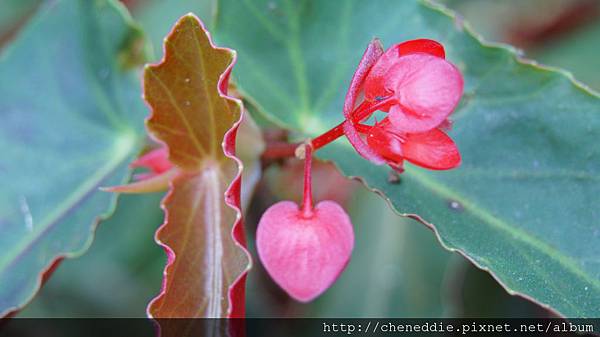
<point x="456" y="206"/>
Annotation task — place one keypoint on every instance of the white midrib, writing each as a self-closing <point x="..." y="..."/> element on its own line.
<point x="214" y="241"/>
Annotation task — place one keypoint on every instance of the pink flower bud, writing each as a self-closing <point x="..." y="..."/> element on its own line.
<point x="305" y="254"/>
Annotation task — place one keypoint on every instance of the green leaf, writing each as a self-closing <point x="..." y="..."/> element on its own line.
<point x="157" y="16"/>
<point x="546" y="38"/>
<point x="524" y="203"/>
<point x="72" y="119"/>
<point x="578" y="53"/>
<point x="13" y="15"/>
<point x="397" y="265"/>
<point x="124" y="256"/>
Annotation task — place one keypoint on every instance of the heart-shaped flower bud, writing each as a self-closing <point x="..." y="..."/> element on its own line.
<point x="305" y="254"/>
<point x="305" y="249"/>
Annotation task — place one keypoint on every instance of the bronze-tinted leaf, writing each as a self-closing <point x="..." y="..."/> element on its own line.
<point x="197" y="121"/>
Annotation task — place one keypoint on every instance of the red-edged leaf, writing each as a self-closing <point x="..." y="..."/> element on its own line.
<point x="202" y="234"/>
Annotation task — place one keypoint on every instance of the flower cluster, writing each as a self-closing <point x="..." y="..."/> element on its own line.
<point x="305" y="248"/>
<point x="418" y="88"/>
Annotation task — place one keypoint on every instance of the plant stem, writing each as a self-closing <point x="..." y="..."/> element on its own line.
<point x="328" y="137"/>
<point x="279" y="149"/>
<point x="307" y="204"/>
<point x="363" y="111"/>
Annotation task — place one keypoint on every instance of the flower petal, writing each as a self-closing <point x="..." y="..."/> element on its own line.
<point x="359" y="144"/>
<point x="428" y="89"/>
<point x="156" y="161"/>
<point x="433" y="150"/>
<point x="372" y="53"/>
<point x="375" y="83"/>
<point x="387" y="144"/>
<point x="426" y="46"/>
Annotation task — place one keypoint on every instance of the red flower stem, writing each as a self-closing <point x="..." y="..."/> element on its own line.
<point x="328" y="137"/>
<point x="363" y="111"/>
<point x="276" y="150"/>
<point x="363" y="128"/>
<point x="307" y="205"/>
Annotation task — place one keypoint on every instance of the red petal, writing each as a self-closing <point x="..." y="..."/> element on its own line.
<point x="433" y="150"/>
<point x="372" y="53"/>
<point x="359" y="144"/>
<point x="375" y="81"/>
<point x="428" y="89"/>
<point x="426" y="46"/>
<point x="304" y="256"/>
<point x="385" y="143"/>
<point x="156" y="161"/>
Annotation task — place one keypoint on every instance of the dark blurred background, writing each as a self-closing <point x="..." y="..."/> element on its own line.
<point x="398" y="268"/>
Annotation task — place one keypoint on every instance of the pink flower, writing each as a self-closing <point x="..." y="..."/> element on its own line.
<point x="425" y="87"/>
<point x="419" y="89"/>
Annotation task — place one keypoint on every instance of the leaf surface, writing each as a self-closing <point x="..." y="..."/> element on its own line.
<point x="157" y="16"/>
<point x="523" y="205"/>
<point x="198" y="122"/>
<point x="71" y="122"/>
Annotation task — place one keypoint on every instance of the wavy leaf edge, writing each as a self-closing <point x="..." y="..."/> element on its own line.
<point x="518" y="56"/>
<point x="232" y="193"/>
<point x="45" y="273"/>
<point x="55" y="262"/>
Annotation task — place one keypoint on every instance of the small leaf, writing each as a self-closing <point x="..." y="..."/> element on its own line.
<point x="198" y="122"/>
<point x="71" y="122"/>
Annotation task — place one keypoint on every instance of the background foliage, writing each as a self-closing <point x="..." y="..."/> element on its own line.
<point x="413" y="275"/>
